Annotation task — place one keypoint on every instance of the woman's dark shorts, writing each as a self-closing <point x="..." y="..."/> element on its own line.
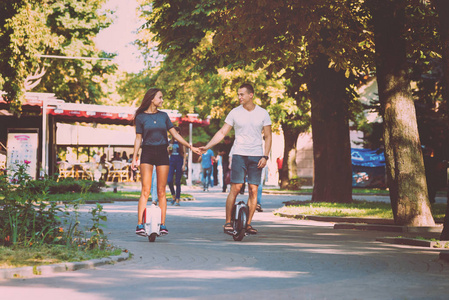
<point x="155" y="155"/>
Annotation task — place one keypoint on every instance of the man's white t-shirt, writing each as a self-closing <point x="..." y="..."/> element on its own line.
<point x="248" y="127"/>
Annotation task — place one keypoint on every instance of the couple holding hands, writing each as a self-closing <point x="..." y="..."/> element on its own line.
<point x="250" y="153"/>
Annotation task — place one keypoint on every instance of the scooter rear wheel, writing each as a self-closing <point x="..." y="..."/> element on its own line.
<point x="240" y="224"/>
<point x="152" y="237"/>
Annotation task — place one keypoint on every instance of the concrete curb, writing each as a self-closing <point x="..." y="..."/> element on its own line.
<point x="339" y="219"/>
<point x="26" y="272"/>
<point x="414" y="242"/>
<point x="391" y="228"/>
<point x="277" y="192"/>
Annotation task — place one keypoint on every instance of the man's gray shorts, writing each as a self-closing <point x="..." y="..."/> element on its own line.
<point x="245" y="165"/>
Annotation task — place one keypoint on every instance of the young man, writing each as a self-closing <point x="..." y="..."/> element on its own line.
<point x="249" y="154"/>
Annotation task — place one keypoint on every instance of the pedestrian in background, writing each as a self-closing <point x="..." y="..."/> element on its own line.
<point x="279" y="163"/>
<point x="225" y="150"/>
<point x="219" y="160"/>
<point x="124" y="156"/>
<point x="206" y="164"/>
<point x="177" y="165"/>
<point x="263" y="177"/>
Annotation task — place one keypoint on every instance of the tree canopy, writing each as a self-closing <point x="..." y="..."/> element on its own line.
<point x="32" y="28"/>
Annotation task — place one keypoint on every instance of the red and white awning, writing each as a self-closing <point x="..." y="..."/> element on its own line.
<point x="91" y="113"/>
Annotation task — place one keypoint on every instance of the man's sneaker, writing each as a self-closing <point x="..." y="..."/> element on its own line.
<point x="164" y="229"/>
<point x="259" y="208"/>
<point x="140" y="230"/>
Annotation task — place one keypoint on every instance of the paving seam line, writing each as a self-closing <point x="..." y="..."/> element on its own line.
<point x="26" y="272"/>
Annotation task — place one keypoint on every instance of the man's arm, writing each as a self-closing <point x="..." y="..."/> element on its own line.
<point x="218" y="136"/>
<point x="268" y="139"/>
<point x="267" y="135"/>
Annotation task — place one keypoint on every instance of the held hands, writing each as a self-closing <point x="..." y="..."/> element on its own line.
<point x="196" y="150"/>
<point x="203" y="149"/>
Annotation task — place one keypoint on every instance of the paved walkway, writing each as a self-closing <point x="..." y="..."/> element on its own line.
<point x="289" y="259"/>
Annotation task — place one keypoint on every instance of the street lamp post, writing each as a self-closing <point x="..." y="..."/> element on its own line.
<point x="190" y="169"/>
<point x="45" y="103"/>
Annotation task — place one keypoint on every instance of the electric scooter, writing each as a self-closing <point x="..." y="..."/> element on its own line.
<point x="152" y="222"/>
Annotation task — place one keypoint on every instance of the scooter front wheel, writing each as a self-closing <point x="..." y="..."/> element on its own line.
<point x="152" y="237"/>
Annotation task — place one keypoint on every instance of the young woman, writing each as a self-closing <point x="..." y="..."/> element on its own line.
<point x="177" y="165"/>
<point x="151" y="134"/>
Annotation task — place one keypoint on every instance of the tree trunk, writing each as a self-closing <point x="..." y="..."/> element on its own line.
<point x="403" y="156"/>
<point x="330" y="132"/>
<point x="442" y="7"/>
<point x="289" y="164"/>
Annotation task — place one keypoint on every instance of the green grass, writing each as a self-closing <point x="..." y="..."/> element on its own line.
<point x="367" y="191"/>
<point x="103" y="196"/>
<point x="13" y="257"/>
<point x="372" y="191"/>
<point x="359" y="209"/>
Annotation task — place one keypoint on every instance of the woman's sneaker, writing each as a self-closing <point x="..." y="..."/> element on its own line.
<point x="164" y="229"/>
<point x="140" y="230"/>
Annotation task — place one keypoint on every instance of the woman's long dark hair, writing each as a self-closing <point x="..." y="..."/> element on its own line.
<point x="146" y="102"/>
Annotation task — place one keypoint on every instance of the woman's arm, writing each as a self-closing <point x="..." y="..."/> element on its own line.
<point x="184" y="158"/>
<point x="178" y="137"/>
<point x="181" y="140"/>
<point x="137" y="143"/>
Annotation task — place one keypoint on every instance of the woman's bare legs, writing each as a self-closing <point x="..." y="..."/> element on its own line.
<point x="162" y="176"/>
<point x="146" y="172"/>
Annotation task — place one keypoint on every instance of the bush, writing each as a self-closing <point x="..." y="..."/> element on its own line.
<point x="67" y="185"/>
<point x="27" y="218"/>
<point x="295" y="183"/>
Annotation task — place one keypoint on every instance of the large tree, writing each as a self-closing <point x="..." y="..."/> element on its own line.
<point x="404" y="161"/>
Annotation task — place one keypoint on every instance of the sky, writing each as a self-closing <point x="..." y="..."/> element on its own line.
<point x="118" y="37"/>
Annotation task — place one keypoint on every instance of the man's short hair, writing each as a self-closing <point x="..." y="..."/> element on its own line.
<point x="248" y="87"/>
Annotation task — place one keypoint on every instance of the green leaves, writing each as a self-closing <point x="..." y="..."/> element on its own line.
<point x="66" y="28"/>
